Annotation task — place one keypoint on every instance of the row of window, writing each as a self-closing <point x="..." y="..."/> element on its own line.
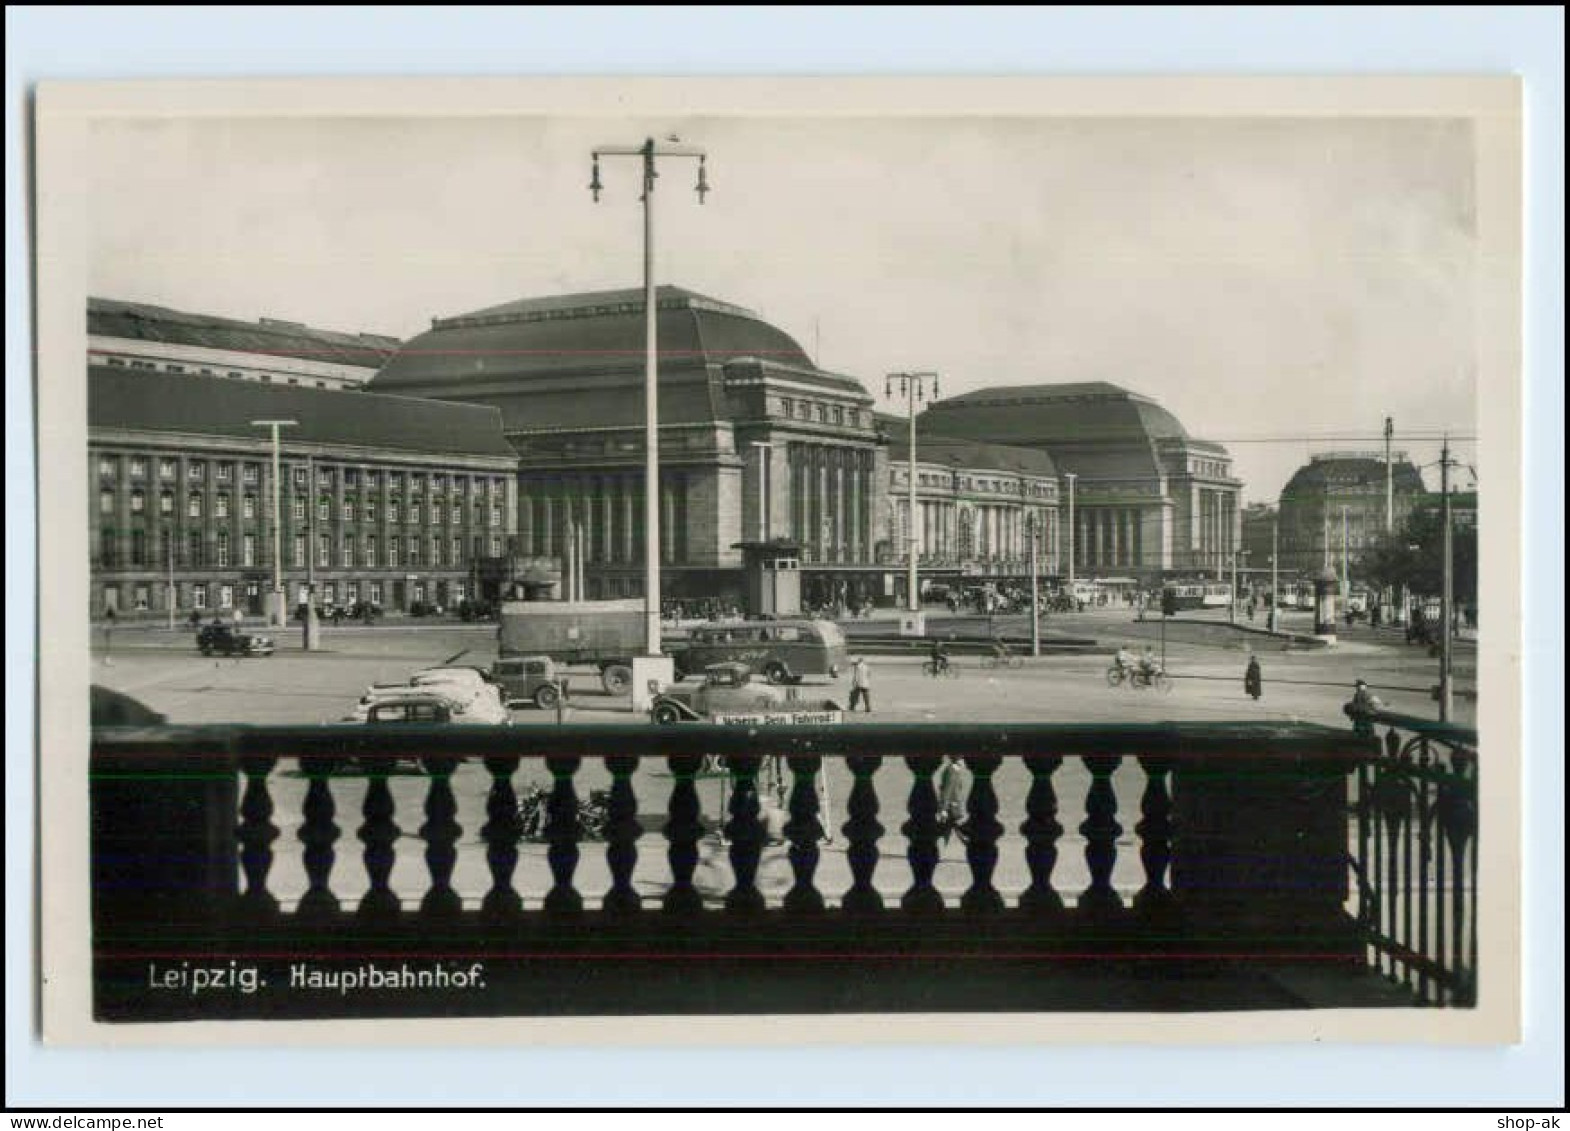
<point x="249" y="507"/>
<point x="351" y="551"/>
<point x="822" y="413"/>
<point x="1033" y="489"/>
<point x="174" y="367"/>
<point x="223" y="472"/>
<point x="224" y="594"/>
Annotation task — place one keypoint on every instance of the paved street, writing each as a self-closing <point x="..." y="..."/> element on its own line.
<point x="164" y="670"/>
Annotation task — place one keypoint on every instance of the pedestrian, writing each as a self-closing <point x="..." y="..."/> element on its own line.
<point x="860" y="683"/>
<point x="239" y="618"/>
<point x="1253" y="681"/>
<point x="953" y="786"/>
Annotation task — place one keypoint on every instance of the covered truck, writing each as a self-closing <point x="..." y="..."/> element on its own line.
<point x="606" y="634"/>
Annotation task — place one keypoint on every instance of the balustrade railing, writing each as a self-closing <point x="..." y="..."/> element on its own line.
<point x="1238" y="848"/>
<point x="1417" y="854"/>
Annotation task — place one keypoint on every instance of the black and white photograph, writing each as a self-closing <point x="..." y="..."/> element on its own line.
<point x="707" y="549"/>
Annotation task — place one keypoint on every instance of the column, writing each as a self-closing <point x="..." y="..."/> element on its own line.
<point x="841" y="529"/>
<point x="608" y="518"/>
<point x="667" y="520"/>
<point x="857" y="543"/>
<point x="628" y="549"/>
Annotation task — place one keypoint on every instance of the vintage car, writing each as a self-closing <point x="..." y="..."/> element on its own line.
<point x="530" y="679"/>
<point x="222" y="639"/>
<point x="464" y="704"/>
<point x="728" y="689"/>
<point x="411" y="709"/>
<point x="469" y="681"/>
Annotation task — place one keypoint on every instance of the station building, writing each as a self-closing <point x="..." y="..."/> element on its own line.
<point x="757" y="443"/>
<point x="978" y="506"/>
<point x="1149" y="501"/>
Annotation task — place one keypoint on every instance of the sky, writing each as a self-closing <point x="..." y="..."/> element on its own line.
<point x="1280" y="284"/>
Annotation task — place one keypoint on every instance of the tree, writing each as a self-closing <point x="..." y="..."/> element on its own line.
<point x="1414" y="557"/>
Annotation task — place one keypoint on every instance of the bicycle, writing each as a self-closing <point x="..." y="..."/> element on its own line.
<point x="934" y="669"/>
<point x="1003" y="659"/>
<point x="1159" y="680"/>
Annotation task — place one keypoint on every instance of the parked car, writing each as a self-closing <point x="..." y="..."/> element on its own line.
<point x="464" y="704"/>
<point x="225" y="641"/>
<point x="727" y="689"/>
<point x="530" y="679"/>
<point x="411" y="709"/>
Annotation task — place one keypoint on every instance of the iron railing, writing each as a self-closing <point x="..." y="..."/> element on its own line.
<point x="1417" y="855"/>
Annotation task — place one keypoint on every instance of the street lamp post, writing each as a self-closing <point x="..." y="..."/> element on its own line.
<point x="1033" y="528"/>
<point x="279" y="616"/>
<point x="1447" y="597"/>
<point x="1070" y="476"/>
<point x="911" y="386"/>
<point x="310" y="626"/>
<point x="1346" y="564"/>
<point x="169" y="564"/>
<point x="1275" y="562"/>
<point x="647" y="152"/>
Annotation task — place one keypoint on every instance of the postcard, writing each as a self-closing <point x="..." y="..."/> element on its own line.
<point x="571" y="558"/>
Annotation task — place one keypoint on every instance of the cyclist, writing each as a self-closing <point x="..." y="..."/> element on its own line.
<point x="1000" y="650"/>
<point x="940" y="658"/>
<point x="1148" y="665"/>
<point x="1124" y="661"/>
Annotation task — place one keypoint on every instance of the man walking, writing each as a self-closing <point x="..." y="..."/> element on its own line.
<point x="860" y="683"/>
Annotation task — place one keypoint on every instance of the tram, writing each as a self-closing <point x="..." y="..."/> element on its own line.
<point x="1199" y="595"/>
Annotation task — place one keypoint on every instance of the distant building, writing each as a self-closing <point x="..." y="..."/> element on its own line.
<point x="1338" y="498"/>
<point x="1149" y="500"/>
<point x="155" y="339"/>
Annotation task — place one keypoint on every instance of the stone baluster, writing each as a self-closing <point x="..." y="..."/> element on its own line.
<point x="317" y="834"/>
<point x="1154" y="899"/>
<point x="440" y="833"/>
<point x="1041" y="831"/>
<point x="379" y="834"/>
<point x="921" y="836"/>
<point x="682" y="830"/>
<point x="981" y="846"/>
<point x="804" y="830"/>
<point x="1101" y="831"/>
<point x="501" y="833"/>
<point x="746" y="834"/>
<point x="621" y="836"/>
<point x="862" y="831"/>
<point x="562" y="829"/>
<point x="256" y="835"/>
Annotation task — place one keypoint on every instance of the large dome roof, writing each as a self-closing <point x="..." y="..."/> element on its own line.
<point x="580" y="334"/>
<point x="1084" y="412"/>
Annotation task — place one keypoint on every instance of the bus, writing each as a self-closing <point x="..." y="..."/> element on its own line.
<point x="782" y="651"/>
